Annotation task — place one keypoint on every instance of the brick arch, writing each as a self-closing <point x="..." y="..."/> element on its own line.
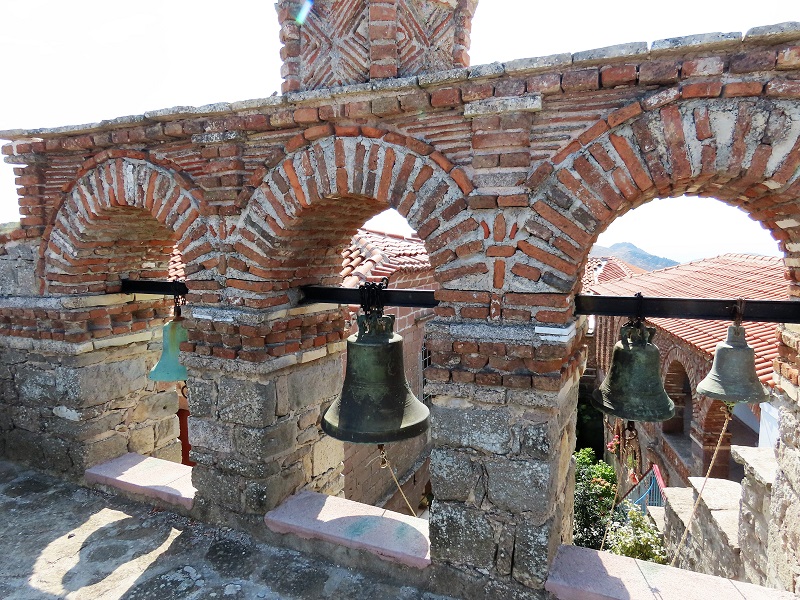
<point x="744" y="151"/>
<point x="308" y="207"/>
<point x="122" y="215"/>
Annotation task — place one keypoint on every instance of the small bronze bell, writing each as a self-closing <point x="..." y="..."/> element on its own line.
<point x="376" y="404"/>
<point x="633" y="389"/>
<point x="733" y="378"/>
<point x="168" y="368"/>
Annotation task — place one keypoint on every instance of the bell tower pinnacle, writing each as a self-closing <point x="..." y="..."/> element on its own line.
<point x="342" y="42"/>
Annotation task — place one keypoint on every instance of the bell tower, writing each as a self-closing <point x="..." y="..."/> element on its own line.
<point x="343" y="42"/>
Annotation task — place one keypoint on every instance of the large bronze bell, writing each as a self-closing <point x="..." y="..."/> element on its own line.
<point x="633" y="389"/>
<point x="733" y="378"/>
<point x="376" y="404"/>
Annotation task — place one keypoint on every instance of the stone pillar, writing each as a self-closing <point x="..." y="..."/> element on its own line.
<point x="253" y="424"/>
<point x="501" y="467"/>
<point x="754" y="514"/>
<point x="384" y="39"/>
<point x="783" y="559"/>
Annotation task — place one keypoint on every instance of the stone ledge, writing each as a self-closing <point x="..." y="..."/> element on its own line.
<point x="496" y="106"/>
<point x="759" y="463"/>
<point x="389" y="535"/>
<point x="146" y="476"/>
<point x="584" y="574"/>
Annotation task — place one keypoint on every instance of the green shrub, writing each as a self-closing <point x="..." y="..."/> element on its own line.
<point x="595" y="485"/>
<point x="636" y="537"/>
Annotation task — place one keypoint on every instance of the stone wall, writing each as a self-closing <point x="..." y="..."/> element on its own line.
<point x="784" y="526"/>
<point x="68" y="405"/>
<point x="712" y="546"/>
<point x="756" y="510"/>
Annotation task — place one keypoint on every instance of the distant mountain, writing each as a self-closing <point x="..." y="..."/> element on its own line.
<point x="634" y="256"/>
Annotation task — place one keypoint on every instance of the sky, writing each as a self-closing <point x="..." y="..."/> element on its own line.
<point x="68" y="62"/>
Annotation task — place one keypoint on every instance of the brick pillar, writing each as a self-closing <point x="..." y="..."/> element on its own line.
<point x="382" y="39"/>
<point x="501" y="466"/>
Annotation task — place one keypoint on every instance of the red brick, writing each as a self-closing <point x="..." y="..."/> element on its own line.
<point x="547" y="258"/>
<point x="509" y="87"/>
<point x="783" y="88"/>
<point x="306" y="115"/>
<point x="632" y="162"/>
<point x="702" y="124"/>
<point x="703" y="67"/>
<point x="476" y="91"/>
<point x="658" y="72"/>
<point x="753" y="60"/>
<point x="706" y="89"/>
<point x="446" y="97"/>
<point x="463" y="377"/>
<point x="581" y="80"/>
<point x="789" y="58"/>
<point x="742" y="88"/>
<point x="526" y="271"/>
<point x="593" y="133"/>
<point x="612" y="76"/>
<point x="515" y="200"/>
<point x="517" y="381"/>
<point x="415" y="101"/>
<point x="500" y="140"/>
<point x="474" y="312"/>
<point x="546" y="84"/>
<point x="571" y="148"/>
<point x="488" y="379"/>
<point x="623" y="114"/>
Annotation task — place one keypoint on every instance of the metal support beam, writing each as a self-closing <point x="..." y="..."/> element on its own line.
<point x="161" y="288"/>
<point x="768" y="311"/>
<point x="340" y="295"/>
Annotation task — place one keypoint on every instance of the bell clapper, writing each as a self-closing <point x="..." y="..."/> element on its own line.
<point x="385" y="464"/>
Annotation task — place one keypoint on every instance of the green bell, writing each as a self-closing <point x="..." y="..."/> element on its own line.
<point x="168" y="368"/>
<point x="633" y="389"/>
<point x="733" y="378"/>
<point x="376" y="404"/>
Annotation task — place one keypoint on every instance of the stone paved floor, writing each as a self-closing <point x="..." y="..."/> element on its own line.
<point x="59" y="540"/>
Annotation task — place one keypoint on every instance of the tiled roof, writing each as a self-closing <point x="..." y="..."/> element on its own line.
<point x="600" y="269"/>
<point x="727" y="276"/>
<point x="373" y="255"/>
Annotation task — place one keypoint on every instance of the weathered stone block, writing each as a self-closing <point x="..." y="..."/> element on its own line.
<point x="328" y="453"/>
<point x="202" y="396"/>
<point x="535" y="546"/>
<point x="99" y="451"/>
<point x="24" y="446"/>
<point x="56" y="454"/>
<point x="218" y="488"/>
<point x="210" y="435"/>
<point x="259" y="444"/>
<point x="520" y="486"/>
<point x="95" y="384"/>
<point x="157" y="406"/>
<point x="261" y="497"/>
<point x="35" y="386"/>
<point x="481" y="429"/>
<point x="167" y="430"/>
<point x="83" y="430"/>
<point x="315" y="383"/>
<point x="246" y="402"/>
<point x="172" y="452"/>
<point x="142" y="440"/>
<point x="535" y="440"/>
<point x="453" y="476"/>
<point x="461" y="535"/>
<point x="25" y="417"/>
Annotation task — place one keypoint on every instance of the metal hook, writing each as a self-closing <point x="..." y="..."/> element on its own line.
<point x="372" y="297"/>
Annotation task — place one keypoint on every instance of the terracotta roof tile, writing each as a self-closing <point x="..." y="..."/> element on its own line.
<point x="727" y="276"/>
<point x="373" y="255"/>
<point x="600" y="269"/>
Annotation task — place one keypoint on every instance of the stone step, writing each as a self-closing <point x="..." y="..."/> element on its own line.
<point x="390" y="535"/>
<point x="146" y="476"/>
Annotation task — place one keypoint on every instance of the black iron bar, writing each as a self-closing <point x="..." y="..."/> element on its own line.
<point x="768" y="311"/>
<point x="144" y="286"/>
<point x="708" y="309"/>
<point x="339" y="295"/>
